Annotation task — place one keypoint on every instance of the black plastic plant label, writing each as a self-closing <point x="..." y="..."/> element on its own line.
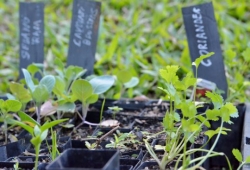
<point x="84" y="34"/>
<point x="31" y="34"/>
<point x="203" y="37"/>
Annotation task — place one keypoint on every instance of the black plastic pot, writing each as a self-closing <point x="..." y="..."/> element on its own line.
<point x="83" y="159"/>
<point x="227" y="142"/>
<point x="128" y="104"/>
<point x="126" y="167"/>
<point x="12" y="149"/>
<point x="76" y="144"/>
<point x="146" y="164"/>
<point x="133" y="162"/>
<point x="25" y="162"/>
<point x="133" y="154"/>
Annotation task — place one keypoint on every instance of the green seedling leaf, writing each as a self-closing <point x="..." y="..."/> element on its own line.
<point x="124" y="76"/>
<point x="102" y="83"/>
<point x="33" y="69"/>
<point x="204" y="120"/>
<point x="40" y="93"/>
<point x="23" y="125"/>
<point x="27" y="119"/>
<point x="60" y="86"/>
<point x="67" y="107"/>
<point x="237" y="154"/>
<point x="37" y="131"/>
<point x="210" y="133"/>
<point x="21" y="93"/>
<point x="49" y="82"/>
<point x="170" y="74"/>
<point x="59" y="63"/>
<point x="82" y="90"/>
<point x="247" y="159"/>
<point x="12" y="105"/>
<point x="36" y="140"/>
<point x="177" y="117"/>
<point x="217" y="99"/>
<point x="134" y="81"/>
<point x="198" y="61"/>
<point x="92" y="99"/>
<point x="28" y="80"/>
<point x="188" y="109"/>
<point x="213" y="114"/>
<point x="48" y="125"/>
<point x="44" y="135"/>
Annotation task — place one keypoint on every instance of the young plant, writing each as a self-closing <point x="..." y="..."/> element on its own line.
<point x="38" y="132"/>
<point x="40" y="92"/>
<point x="6" y="108"/>
<point x="238" y="156"/>
<point x="87" y="92"/>
<point x="115" y="110"/>
<point x="177" y="137"/>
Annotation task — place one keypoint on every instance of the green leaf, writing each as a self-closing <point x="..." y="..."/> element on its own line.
<point x="36" y="140"/>
<point x="177" y="117"/>
<point x="23" y="125"/>
<point x="60" y="86"/>
<point x="12" y="105"/>
<point x="48" y="125"/>
<point x="101" y="84"/>
<point x="26" y="118"/>
<point x="237" y="154"/>
<point x="134" y="81"/>
<point x="59" y="63"/>
<point x="67" y="107"/>
<point x="28" y="80"/>
<point x="21" y="93"/>
<point x="213" y="114"/>
<point x="124" y="76"/>
<point x="32" y="68"/>
<point x="49" y="82"/>
<point x="92" y="99"/>
<point x="37" y="131"/>
<point x="217" y="99"/>
<point x="170" y="73"/>
<point x="198" y="61"/>
<point x="204" y="120"/>
<point x="44" y="135"/>
<point x="194" y="127"/>
<point x="188" y="109"/>
<point x="40" y="93"/>
<point x="247" y="159"/>
<point x="210" y="133"/>
<point x="82" y="90"/>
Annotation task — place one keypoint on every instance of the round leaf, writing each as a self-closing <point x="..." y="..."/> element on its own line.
<point x="40" y="94"/>
<point x="102" y="83"/>
<point x="49" y="82"/>
<point x="12" y="105"/>
<point x="82" y="90"/>
<point x="132" y="83"/>
<point x="124" y="76"/>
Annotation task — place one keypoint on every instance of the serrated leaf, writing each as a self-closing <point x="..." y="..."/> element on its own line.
<point x="210" y="133"/>
<point x="213" y="114"/>
<point x="169" y="73"/>
<point x="237" y="154"/>
<point x="82" y="90"/>
<point x="49" y="82"/>
<point x="217" y="99"/>
<point x="194" y="127"/>
<point x="134" y="81"/>
<point x="198" y="61"/>
<point x="28" y="80"/>
<point x="204" y="120"/>
<point x="102" y="83"/>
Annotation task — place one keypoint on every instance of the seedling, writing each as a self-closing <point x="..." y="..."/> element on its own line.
<point x="115" y="110"/>
<point x="6" y="107"/>
<point x="88" y="91"/>
<point x="238" y="156"/>
<point x="37" y="131"/>
<point x="177" y="138"/>
<point x="41" y="92"/>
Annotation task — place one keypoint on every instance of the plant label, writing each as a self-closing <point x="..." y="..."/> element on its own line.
<point x="31" y="34"/>
<point x="203" y="37"/>
<point x="84" y="34"/>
